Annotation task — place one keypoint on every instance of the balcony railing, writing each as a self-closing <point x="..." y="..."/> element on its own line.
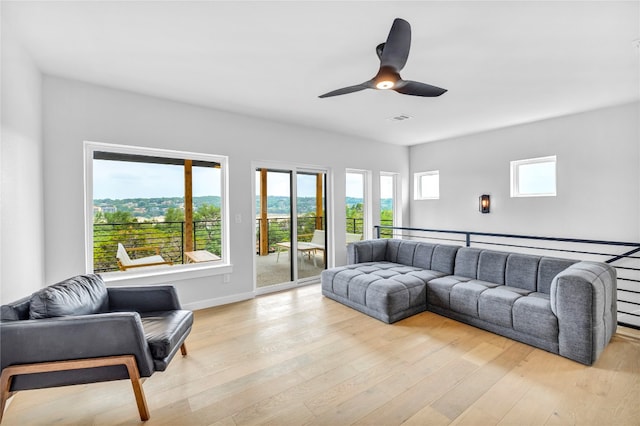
<point x="207" y="235"/>
<point x="279" y="229"/>
<point x="168" y="236"/>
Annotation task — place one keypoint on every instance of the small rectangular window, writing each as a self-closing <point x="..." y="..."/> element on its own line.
<point x="427" y="185"/>
<point x="534" y="177"/>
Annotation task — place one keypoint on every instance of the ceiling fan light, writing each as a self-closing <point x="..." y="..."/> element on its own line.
<point x="385" y="84"/>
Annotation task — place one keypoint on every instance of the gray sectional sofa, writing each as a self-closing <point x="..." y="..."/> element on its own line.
<point x="563" y="306"/>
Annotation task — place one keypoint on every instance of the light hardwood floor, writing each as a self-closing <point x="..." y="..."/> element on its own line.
<point x="296" y="358"/>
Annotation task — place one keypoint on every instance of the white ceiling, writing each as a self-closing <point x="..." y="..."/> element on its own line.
<point x="503" y="62"/>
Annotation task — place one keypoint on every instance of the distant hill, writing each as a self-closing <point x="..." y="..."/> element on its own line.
<point x="153" y="207"/>
<point x="281" y="204"/>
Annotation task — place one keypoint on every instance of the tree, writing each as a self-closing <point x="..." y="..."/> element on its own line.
<point x="174" y="214"/>
<point x="120" y="217"/>
<point x="386" y="219"/>
<point x="355" y="221"/>
<point x="207" y="225"/>
<point x="98" y="217"/>
<point x="207" y="212"/>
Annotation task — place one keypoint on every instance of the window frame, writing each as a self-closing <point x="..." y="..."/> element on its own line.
<point x="150" y="276"/>
<point x="366" y="182"/>
<point x="515" y="176"/>
<point x="417" y="185"/>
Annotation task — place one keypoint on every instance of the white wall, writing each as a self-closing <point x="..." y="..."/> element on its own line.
<point x="21" y="181"/>
<point x="598" y="178"/>
<point x="75" y="112"/>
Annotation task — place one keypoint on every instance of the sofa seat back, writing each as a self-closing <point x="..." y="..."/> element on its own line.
<point x="436" y="257"/>
<point x="528" y="272"/>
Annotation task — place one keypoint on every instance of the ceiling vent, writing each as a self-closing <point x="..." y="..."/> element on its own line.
<point x="399" y="117"/>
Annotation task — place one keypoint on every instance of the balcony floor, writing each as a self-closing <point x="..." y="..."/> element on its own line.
<point x="273" y="270"/>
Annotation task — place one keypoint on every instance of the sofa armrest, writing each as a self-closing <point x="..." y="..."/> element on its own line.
<point x="143" y="298"/>
<point x="75" y="337"/>
<point x="367" y="251"/>
<point x="583" y="297"/>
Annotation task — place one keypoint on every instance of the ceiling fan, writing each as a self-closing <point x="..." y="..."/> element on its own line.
<point x="393" y="57"/>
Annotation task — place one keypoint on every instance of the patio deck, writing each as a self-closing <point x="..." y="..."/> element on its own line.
<point x="271" y="270"/>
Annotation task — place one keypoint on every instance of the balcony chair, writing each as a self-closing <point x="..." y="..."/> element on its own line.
<point x="316" y="244"/>
<point x="79" y="331"/>
<point x="125" y="262"/>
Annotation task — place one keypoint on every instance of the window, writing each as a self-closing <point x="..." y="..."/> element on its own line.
<point x="389" y="214"/>
<point x="357" y="202"/>
<point x="154" y="211"/>
<point x="534" y="177"/>
<point x="427" y="185"/>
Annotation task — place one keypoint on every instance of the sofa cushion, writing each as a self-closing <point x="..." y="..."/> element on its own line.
<point x="422" y="255"/>
<point x="522" y="271"/>
<point x="467" y="262"/>
<point x="385" y="273"/>
<point x="392" y="250"/>
<point x="402" y="269"/>
<point x="80" y="295"/>
<point x="532" y="315"/>
<point x="426" y="275"/>
<point x="464" y="296"/>
<point x="548" y="268"/>
<point x="495" y="304"/>
<point x="164" y="330"/>
<point x="399" y="294"/>
<point x="339" y="283"/>
<point x="356" y="289"/>
<point x="367" y="251"/>
<point x="444" y="258"/>
<point x="406" y="252"/>
<point x="358" y="286"/>
<point x="491" y="266"/>
<point x="439" y="290"/>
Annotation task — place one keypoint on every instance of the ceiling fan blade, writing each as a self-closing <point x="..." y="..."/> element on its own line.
<point x="396" y="49"/>
<point x="415" y="88"/>
<point x="345" y="90"/>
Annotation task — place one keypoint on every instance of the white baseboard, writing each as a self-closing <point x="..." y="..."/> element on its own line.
<point x="209" y="303"/>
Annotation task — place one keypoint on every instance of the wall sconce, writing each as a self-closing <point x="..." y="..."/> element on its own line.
<point x="485" y="203"/>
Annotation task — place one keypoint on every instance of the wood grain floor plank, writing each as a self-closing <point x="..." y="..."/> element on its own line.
<point x="473" y="386"/>
<point x="297" y="358"/>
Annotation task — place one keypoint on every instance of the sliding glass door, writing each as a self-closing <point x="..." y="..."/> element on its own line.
<point x="290" y="226"/>
<point x="311" y="224"/>
<point x="273" y="227"/>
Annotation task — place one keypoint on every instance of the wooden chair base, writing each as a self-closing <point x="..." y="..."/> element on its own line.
<point x="128" y="361"/>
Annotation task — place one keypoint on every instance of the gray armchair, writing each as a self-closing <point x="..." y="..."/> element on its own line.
<point x="78" y="331"/>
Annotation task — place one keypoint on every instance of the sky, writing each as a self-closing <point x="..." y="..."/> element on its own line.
<point x="278" y="184"/>
<point x="120" y="180"/>
<point x="537" y="178"/>
<point x="355" y="185"/>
